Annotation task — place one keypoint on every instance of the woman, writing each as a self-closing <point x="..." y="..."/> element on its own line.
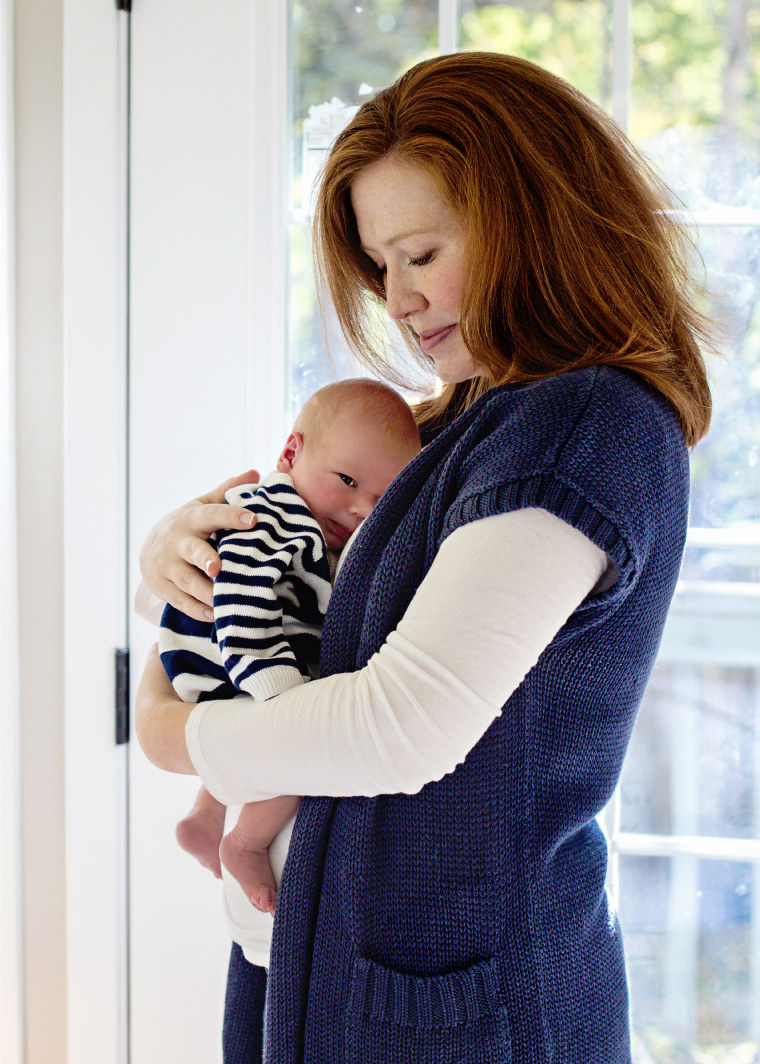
<point x="494" y="624"/>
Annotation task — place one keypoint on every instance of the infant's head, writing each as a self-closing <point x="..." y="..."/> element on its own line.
<point x="349" y="441"/>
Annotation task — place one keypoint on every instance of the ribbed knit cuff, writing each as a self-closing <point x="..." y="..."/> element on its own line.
<point x="272" y="680"/>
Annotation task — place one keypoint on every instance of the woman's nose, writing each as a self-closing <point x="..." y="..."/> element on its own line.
<point x="401" y="298"/>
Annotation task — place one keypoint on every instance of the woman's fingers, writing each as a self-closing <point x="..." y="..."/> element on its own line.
<point x="201" y="519"/>
<point x="177" y="561"/>
<point x="189" y="591"/>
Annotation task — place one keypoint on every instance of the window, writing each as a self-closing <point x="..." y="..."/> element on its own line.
<point x="682" y="76"/>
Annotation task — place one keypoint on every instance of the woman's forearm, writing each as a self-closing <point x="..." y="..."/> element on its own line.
<point x="496" y="595"/>
<point x="161" y="719"/>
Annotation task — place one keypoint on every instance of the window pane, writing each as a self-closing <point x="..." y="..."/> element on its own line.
<point x="572" y="38"/>
<point x="694" y="762"/>
<point x="695" y="105"/>
<point x="341" y="51"/>
<point x="691" y="933"/>
<point x="726" y="465"/>
<point x="310" y="367"/>
<point x="347" y="49"/>
<point x="692" y="766"/>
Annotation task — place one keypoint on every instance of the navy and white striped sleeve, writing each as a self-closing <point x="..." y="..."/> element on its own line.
<point x="272" y="592"/>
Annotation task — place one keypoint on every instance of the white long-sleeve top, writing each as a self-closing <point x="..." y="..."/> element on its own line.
<point x="497" y="593"/>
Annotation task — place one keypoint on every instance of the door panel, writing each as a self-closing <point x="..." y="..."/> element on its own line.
<point x="192" y="343"/>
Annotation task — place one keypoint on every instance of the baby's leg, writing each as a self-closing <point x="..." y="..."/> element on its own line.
<point x="244" y="851"/>
<point x="200" y="832"/>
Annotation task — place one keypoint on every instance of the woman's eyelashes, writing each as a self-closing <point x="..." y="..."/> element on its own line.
<point x="420" y="260"/>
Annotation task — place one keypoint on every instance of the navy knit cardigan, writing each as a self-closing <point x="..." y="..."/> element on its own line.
<point x="468" y="923"/>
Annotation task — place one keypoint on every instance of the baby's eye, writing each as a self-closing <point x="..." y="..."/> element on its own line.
<point x="423" y="260"/>
<point x="347" y="480"/>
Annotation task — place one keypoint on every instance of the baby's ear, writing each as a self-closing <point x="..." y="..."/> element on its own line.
<point x="290" y="453"/>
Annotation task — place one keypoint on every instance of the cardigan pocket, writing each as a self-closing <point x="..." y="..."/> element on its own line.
<point x="457" y="1018"/>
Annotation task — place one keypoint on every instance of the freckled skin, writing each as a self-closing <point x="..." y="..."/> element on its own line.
<point x="411" y="233"/>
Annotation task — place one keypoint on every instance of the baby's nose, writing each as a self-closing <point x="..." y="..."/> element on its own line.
<point x="362" y="504"/>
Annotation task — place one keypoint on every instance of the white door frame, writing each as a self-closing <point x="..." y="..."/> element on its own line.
<point x="63" y="905"/>
<point x="95" y="161"/>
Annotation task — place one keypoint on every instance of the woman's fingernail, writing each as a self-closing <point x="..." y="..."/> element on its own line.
<point x="207" y="567"/>
<point x="247" y="519"/>
<point x="208" y="614"/>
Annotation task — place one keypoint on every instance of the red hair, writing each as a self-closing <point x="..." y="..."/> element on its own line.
<point x="575" y="255"/>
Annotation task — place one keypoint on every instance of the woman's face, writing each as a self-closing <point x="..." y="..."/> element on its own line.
<point x="414" y="237"/>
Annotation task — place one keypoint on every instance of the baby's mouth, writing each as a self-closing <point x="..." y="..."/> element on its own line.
<point x="339" y="531"/>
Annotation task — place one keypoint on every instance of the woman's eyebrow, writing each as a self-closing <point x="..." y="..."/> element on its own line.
<point x="404" y="235"/>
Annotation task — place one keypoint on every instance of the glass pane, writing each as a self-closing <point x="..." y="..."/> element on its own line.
<point x="726" y="465"/>
<point x="572" y="38"/>
<point x="310" y="366"/>
<point x="695" y="106"/>
<point x="346" y="50"/>
<point x="340" y="52"/>
<point x="694" y="760"/>
<point x="691" y="934"/>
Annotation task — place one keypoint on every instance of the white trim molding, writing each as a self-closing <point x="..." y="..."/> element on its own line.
<point x="11" y="892"/>
<point x="95" y="167"/>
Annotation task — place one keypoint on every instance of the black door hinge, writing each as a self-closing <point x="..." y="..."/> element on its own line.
<point x="123" y="5"/>
<point x="121" y="684"/>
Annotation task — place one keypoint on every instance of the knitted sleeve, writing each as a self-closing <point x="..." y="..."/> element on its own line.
<point x="496" y="594"/>
<point x="595" y="448"/>
<point x="285" y="545"/>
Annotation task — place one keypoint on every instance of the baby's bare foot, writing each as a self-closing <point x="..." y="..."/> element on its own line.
<point x="251" y="868"/>
<point x="200" y="832"/>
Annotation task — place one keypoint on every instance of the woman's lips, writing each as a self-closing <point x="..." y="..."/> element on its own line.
<point x="429" y="340"/>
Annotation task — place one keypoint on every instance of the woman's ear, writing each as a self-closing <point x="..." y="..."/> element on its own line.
<point x="291" y="452"/>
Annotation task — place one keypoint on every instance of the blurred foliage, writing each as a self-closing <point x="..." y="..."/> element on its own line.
<point x="572" y="39"/>
<point x="340" y="45"/>
<point x="695" y="111"/>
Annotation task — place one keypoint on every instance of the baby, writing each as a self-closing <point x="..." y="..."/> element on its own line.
<point x="349" y="441"/>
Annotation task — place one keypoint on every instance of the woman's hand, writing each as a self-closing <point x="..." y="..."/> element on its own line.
<point x="161" y="717"/>
<point x="178" y="563"/>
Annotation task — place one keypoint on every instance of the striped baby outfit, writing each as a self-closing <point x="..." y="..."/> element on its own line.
<point x="270" y="600"/>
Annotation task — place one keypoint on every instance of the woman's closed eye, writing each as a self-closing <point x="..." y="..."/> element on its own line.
<point x="347" y="480"/>
<point x="423" y="260"/>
